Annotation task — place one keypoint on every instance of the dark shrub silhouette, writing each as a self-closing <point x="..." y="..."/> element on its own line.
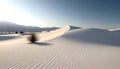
<point x="21" y="32"/>
<point x="16" y="32"/>
<point x="33" y="37"/>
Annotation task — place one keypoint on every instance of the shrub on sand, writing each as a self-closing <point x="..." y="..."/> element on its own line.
<point x="33" y="37"/>
<point x="16" y="32"/>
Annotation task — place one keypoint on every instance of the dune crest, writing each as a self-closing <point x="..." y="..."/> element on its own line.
<point x="47" y="36"/>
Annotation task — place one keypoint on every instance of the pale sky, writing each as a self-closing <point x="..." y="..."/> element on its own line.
<point x="46" y="13"/>
<point x="11" y="13"/>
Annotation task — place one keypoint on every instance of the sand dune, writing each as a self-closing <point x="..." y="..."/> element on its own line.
<point x="60" y="53"/>
<point x="116" y="29"/>
<point x="94" y="35"/>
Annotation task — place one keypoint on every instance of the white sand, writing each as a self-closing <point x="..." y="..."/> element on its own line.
<point x="61" y="53"/>
<point x="47" y="36"/>
<point x="116" y="29"/>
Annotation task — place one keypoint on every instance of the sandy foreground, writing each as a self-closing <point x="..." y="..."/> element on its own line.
<point x="60" y="53"/>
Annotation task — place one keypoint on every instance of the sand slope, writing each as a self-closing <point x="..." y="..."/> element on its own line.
<point x="96" y="36"/>
<point x="61" y="53"/>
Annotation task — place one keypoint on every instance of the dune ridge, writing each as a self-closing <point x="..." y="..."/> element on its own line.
<point x="47" y="36"/>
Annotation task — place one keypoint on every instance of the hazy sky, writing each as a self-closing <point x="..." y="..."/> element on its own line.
<point x="83" y="13"/>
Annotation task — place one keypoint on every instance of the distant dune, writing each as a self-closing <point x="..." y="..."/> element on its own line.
<point x="7" y="37"/>
<point x="12" y="27"/>
<point x="116" y="29"/>
<point x="74" y="27"/>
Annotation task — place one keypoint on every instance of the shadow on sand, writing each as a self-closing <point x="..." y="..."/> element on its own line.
<point x="41" y="44"/>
